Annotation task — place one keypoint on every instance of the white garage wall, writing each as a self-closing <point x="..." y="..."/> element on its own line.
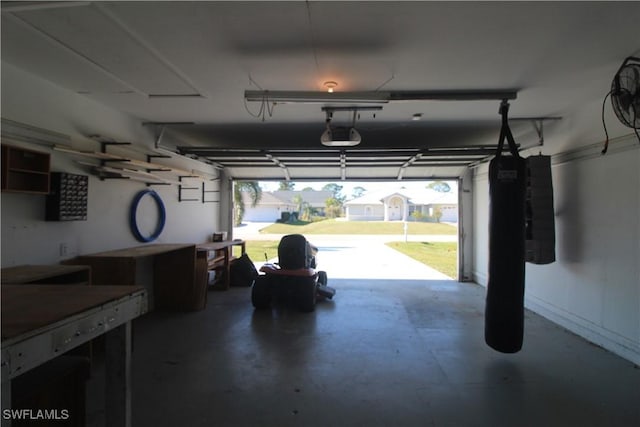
<point x="27" y="238"/>
<point x="593" y="288"/>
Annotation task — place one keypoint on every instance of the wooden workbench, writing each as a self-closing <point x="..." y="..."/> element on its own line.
<point x="47" y="274"/>
<point x="41" y="322"/>
<point x="172" y="284"/>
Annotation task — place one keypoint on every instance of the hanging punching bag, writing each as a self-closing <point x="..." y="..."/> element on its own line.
<point x="504" y="311"/>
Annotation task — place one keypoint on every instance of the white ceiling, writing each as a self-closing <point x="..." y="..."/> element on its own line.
<point x="168" y="62"/>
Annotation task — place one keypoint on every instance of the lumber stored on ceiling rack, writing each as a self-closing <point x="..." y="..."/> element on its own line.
<point x="134" y="164"/>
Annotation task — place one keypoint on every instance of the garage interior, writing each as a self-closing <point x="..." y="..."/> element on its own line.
<point x="214" y="92"/>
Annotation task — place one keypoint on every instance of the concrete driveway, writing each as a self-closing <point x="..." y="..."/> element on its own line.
<point x="359" y="256"/>
<point x="368" y="258"/>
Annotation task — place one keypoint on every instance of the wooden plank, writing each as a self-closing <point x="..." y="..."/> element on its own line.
<point x="53" y="274"/>
<point x="27" y="308"/>
<point x="201" y="279"/>
<point x="214" y="246"/>
<point x="142" y="251"/>
<point x="133" y="162"/>
<point x="139" y="175"/>
<point x="216" y="262"/>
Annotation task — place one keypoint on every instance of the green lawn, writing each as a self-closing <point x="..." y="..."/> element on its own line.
<point x="257" y="248"/>
<point x="331" y="226"/>
<point x="441" y="256"/>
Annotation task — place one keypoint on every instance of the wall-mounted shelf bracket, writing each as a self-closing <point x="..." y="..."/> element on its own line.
<point x="114" y="177"/>
<point x="538" y="124"/>
<point x="182" y="188"/>
<point x="205" y="192"/>
<point x="105" y="144"/>
<point x="103" y="149"/>
<point x="150" y="158"/>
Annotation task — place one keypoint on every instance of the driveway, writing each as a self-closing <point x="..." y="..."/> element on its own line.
<point x="359" y="256"/>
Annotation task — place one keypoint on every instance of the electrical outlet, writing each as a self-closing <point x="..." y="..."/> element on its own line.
<point x="64" y="249"/>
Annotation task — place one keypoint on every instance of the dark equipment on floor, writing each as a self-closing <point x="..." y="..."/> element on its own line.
<point x="242" y="270"/>
<point x="504" y="312"/>
<point x="294" y="279"/>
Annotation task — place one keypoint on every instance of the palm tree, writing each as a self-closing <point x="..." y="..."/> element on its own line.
<point x="255" y="193"/>
<point x="306" y="211"/>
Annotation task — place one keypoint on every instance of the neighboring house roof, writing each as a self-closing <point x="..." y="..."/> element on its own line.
<point x="267" y="199"/>
<point x="425" y="196"/>
<point x="371" y="198"/>
<point x="314" y="198"/>
<point x="281" y="197"/>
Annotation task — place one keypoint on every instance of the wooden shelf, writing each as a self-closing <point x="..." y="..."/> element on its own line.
<point x="216" y="256"/>
<point x="25" y="171"/>
<point x="124" y="164"/>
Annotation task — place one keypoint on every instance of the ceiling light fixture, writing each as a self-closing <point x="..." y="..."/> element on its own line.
<point x="330" y="85"/>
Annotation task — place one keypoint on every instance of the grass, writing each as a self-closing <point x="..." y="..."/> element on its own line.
<point x="441" y="256"/>
<point x="331" y="226"/>
<point x="257" y="248"/>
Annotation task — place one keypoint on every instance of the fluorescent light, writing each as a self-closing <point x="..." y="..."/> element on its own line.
<point x="377" y="97"/>
<point x="314" y="97"/>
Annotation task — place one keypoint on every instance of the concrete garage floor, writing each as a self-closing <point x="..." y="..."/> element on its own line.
<point x="384" y="352"/>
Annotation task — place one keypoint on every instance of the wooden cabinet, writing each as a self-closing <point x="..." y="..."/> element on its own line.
<point x="24" y="170"/>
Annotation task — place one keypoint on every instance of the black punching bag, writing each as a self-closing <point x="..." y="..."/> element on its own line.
<point x="504" y="312"/>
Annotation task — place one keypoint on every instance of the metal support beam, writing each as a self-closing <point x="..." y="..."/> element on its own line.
<point x="280" y="165"/>
<point x="407" y="164"/>
<point x="377" y="97"/>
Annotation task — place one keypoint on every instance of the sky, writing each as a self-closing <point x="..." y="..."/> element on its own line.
<point x="348" y="186"/>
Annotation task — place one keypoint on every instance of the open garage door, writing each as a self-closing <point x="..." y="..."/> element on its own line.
<point x="418" y="220"/>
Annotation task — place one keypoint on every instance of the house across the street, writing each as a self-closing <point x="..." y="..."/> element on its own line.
<point x="273" y="203"/>
<point x="404" y="205"/>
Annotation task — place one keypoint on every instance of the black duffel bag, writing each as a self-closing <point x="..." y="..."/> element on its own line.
<point x="242" y="271"/>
